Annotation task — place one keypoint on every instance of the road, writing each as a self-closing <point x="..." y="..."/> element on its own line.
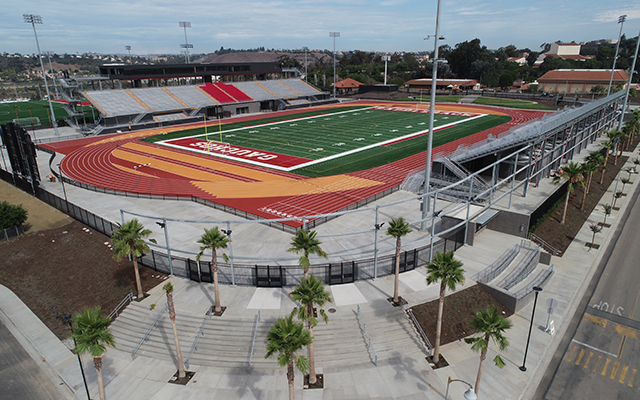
<point x="599" y="356"/>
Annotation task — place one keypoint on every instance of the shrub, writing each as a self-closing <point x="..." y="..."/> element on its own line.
<point x="11" y="215"/>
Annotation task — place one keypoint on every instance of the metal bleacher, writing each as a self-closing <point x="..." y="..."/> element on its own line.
<point x="191" y="96"/>
<point x="255" y="91"/>
<point x="302" y="88"/>
<point x="116" y="102"/>
<point x="280" y="90"/>
<point x="158" y="100"/>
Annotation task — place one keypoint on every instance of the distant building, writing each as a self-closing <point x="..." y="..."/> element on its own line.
<point x="521" y="59"/>
<point x="580" y="80"/>
<point x="566" y="51"/>
<point x="347" y="86"/>
<point x="424" y="84"/>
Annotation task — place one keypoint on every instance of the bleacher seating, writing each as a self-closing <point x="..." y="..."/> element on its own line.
<point x="116" y="102"/>
<point x="191" y="96"/>
<point x="279" y="89"/>
<point x="233" y="91"/>
<point x="157" y="99"/>
<point x="217" y="93"/>
<point x="253" y="89"/>
<point x="301" y="87"/>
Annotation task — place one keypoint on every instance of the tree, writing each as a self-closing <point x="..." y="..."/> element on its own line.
<point x="607" y="211"/>
<point x="287" y="338"/>
<point x="16" y="108"/>
<point x="614" y="137"/>
<point x="587" y="168"/>
<point x="212" y="239"/>
<point x="616" y="196"/>
<point x="490" y="326"/>
<point x="608" y="145"/>
<point x="573" y="174"/>
<point x="506" y="79"/>
<point x="311" y="292"/>
<point x="397" y="228"/>
<point x="624" y="182"/>
<point x="306" y="243"/>
<point x="127" y="240"/>
<point x="168" y="290"/>
<point x="595" y="228"/>
<point x="30" y="108"/>
<point x="464" y="54"/>
<point x="12" y="215"/>
<point x="91" y="334"/>
<point x="449" y="272"/>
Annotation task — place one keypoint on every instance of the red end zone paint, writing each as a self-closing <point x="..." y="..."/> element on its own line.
<point x="246" y="154"/>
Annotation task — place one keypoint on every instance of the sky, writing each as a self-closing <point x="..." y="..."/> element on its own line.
<point x="152" y="26"/>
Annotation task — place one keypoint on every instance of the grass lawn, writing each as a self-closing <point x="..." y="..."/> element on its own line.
<point x="509" y="103"/>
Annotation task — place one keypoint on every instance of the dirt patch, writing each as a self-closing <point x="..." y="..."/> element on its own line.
<point x="459" y="309"/>
<point x="59" y="271"/>
<point x="41" y="215"/>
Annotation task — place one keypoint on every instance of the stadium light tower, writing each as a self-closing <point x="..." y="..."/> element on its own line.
<point x="186" y="45"/>
<point x="631" y="72"/>
<point x="53" y="75"/>
<point x="334" y="35"/>
<point x="128" y="48"/>
<point x="385" y="59"/>
<point x="33" y="20"/>
<point x="432" y="109"/>
<point x="621" y="20"/>
<point x="305" y="48"/>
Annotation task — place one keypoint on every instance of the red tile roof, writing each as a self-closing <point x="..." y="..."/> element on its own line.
<point x="348" y="83"/>
<point x="582" y="75"/>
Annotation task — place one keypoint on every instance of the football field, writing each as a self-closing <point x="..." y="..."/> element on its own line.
<point x="311" y="143"/>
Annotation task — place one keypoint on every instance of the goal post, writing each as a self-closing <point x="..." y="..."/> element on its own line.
<point x="215" y="147"/>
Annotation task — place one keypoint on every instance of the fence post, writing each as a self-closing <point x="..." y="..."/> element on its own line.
<point x="166" y="241"/>
<point x="375" y="245"/>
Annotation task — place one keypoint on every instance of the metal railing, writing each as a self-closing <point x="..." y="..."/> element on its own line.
<point x="423" y="335"/>
<point x="526" y="266"/>
<point x="546" y="246"/>
<point x="149" y="329"/>
<point x="368" y="342"/>
<point x="498" y="266"/>
<point x="194" y="346"/>
<point x="5" y="234"/>
<point x="539" y="281"/>
<point x="125" y="302"/>
<point x="255" y="334"/>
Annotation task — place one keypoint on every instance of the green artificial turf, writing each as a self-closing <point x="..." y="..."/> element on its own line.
<point x="510" y="103"/>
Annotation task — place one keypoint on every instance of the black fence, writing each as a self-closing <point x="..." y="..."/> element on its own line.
<point x="10" y="233"/>
<point x="250" y="275"/>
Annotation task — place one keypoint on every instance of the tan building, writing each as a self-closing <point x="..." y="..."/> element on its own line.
<point x="424" y="84"/>
<point x="580" y="80"/>
<point x="347" y="86"/>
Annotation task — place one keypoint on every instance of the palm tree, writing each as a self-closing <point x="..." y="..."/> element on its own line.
<point x="306" y="243"/>
<point x="587" y="169"/>
<point x="128" y="240"/>
<point x="490" y="325"/>
<point x="624" y="182"/>
<point x="608" y="145"/>
<point x="397" y="228"/>
<point x="287" y="338"/>
<point x="16" y="108"/>
<point x="91" y="334"/>
<point x="168" y="290"/>
<point x="449" y="272"/>
<point x="310" y="292"/>
<point x="30" y="108"/>
<point x="616" y="196"/>
<point x="573" y="174"/>
<point x="212" y="239"/>
<point x="595" y="228"/>
<point x="595" y="158"/>
<point x="607" y="211"/>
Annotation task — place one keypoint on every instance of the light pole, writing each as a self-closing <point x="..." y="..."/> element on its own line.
<point x="537" y="290"/>
<point x="53" y="75"/>
<point x="163" y="226"/>
<point x="33" y="20"/>
<point x="186" y="45"/>
<point x="385" y="59"/>
<point x="305" y="48"/>
<point x="621" y="20"/>
<point x="432" y="110"/>
<point x="334" y="35"/>
<point x="631" y="72"/>
<point x="128" y="48"/>
<point x="68" y="319"/>
<point x="468" y="395"/>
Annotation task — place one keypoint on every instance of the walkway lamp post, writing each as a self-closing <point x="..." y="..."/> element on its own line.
<point x="468" y="395"/>
<point x="631" y="72"/>
<point x="33" y="20"/>
<point x="68" y="318"/>
<point x="537" y="290"/>
<point x="334" y="35"/>
<point x="621" y="20"/>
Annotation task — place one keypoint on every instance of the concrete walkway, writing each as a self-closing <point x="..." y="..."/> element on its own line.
<point x="407" y="376"/>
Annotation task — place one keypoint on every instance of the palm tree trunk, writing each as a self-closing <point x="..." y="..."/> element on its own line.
<point x="290" y="376"/>
<point x="172" y="315"/>
<point x="566" y="204"/>
<point x="584" y="198"/>
<point x="396" y="298"/>
<point x="593" y="240"/>
<point x="312" y="357"/>
<point x="306" y="268"/>
<point x="97" y="362"/>
<point x="605" y="221"/>
<point x="137" y="273"/>
<point x="436" y="355"/>
<point x="216" y="289"/>
<point x="483" y="355"/>
<point x="606" y="159"/>
<point x="589" y="182"/>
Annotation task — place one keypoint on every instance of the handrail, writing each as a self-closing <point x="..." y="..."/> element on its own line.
<point x="370" y="346"/>
<point x="255" y="334"/>
<point x="149" y="329"/>
<point x="539" y="281"/>
<point x="419" y="328"/>
<point x="128" y="299"/>
<point x="523" y="269"/>
<point x="544" y="245"/>
<point x="200" y="333"/>
<point x="498" y="266"/>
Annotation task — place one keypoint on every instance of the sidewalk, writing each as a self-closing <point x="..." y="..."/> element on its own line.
<point x="407" y="376"/>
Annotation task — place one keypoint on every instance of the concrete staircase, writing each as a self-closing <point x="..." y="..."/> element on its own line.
<point x="227" y="340"/>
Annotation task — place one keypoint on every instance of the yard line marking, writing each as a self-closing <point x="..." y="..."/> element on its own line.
<point x="595" y="348"/>
<point x="580" y="357"/>
<point x="604" y="369"/>
<point x="614" y="370"/>
<point x="623" y="374"/>
<point x="586" y="364"/>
